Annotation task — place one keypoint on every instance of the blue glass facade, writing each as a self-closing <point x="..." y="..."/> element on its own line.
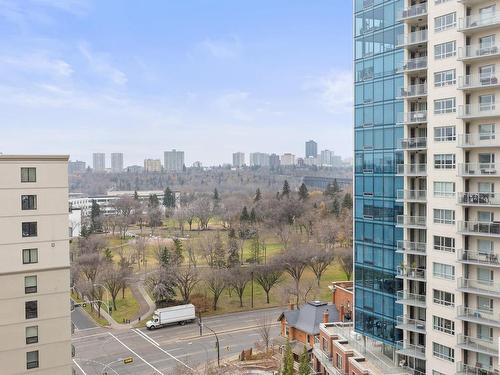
<point x="376" y="135"/>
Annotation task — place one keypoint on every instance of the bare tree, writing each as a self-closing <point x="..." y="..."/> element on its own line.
<point x="238" y="279"/>
<point x="154" y="218"/>
<point x="204" y="209"/>
<point x="186" y="278"/>
<point x="346" y="262"/>
<point x="113" y="279"/>
<point x="265" y="331"/>
<point x="139" y="247"/>
<point x="180" y="215"/>
<point x="267" y="276"/>
<point x="320" y="261"/>
<point x="161" y="285"/>
<point x="216" y="282"/>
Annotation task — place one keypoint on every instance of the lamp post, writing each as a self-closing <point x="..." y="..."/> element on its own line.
<point x="217" y="345"/>
<point x="107" y="294"/>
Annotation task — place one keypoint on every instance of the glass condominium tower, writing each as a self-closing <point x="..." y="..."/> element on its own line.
<point x="377" y="81"/>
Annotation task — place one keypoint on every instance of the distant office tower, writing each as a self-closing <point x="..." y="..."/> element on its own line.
<point x="99" y="162"/>
<point x="238" y="159"/>
<point x="288" y="159"/>
<point x="274" y="161"/>
<point x="174" y="160"/>
<point x="76" y="167"/>
<point x="311" y="149"/>
<point x="312" y="161"/>
<point x="300" y="162"/>
<point x="117" y="162"/>
<point x="152" y="165"/>
<point x="259" y="159"/>
<point x="35" y="321"/>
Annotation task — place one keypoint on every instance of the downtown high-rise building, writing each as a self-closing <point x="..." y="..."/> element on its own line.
<point x="35" y="321"/>
<point x="259" y="159"/>
<point x="117" y="162"/>
<point x="174" y="161"/>
<point x="287" y="159"/>
<point x="99" y="162"/>
<point x="311" y="149"/>
<point x="425" y="98"/>
<point x="238" y="159"/>
<point x="274" y="161"/>
<point x="152" y="165"/>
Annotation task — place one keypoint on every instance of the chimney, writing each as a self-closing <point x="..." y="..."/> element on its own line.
<point x="326" y="316"/>
<point x="342" y="313"/>
<point x="291" y="306"/>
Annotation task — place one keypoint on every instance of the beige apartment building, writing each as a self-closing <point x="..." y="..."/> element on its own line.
<point x="35" y="322"/>
<point x="451" y="220"/>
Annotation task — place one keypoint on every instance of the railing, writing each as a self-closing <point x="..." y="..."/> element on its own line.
<point x="485" y="316"/>
<point x="413" y="64"/>
<point x="414" y="273"/>
<point x="479" y="227"/>
<point x="419" y="247"/>
<point x="478" y="139"/>
<point x="413" y="11"/>
<point x="486" y="258"/>
<point x="479" y="169"/>
<point x="412" y="350"/>
<point x="477" y="80"/>
<point x="415" y="323"/>
<point x="478" y="344"/>
<point x="479" y="286"/>
<point x="416" y="195"/>
<point x="465" y="369"/>
<point x="411" y="38"/>
<point x="414" y="90"/>
<point x="403" y="296"/>
<point x="412" y="169"/>
<point x="477" y="51"/>
<point x="478" y="20"/>
<point x="325" y="360"/>
<point x="419" y="221"/>
<point x="414" y="117"/>
<point x="413" y="143"/>
<point x="486" y="199"/>
<point x="478" y="110"/>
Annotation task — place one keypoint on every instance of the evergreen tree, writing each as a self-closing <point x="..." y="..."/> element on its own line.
<point x="169" y="198"/>
<point x="136" y="196"/>
<point x="332" y="189"/>
<point x="232" y="233"/>
<point x="153" y="201"/>
<point x="216" y="195"/>
<point x="335" y="187"/>
<point x="179" y="257"/>
<point x="165" y="257"/>
<point x="233" y="257"/>
<point x="253" y="217"/>
<point x="286" y="189"/>
<point x="95" y="213"/>
<point x="258" y="195"/>
<point x="108" y="255"/>
<point x="347" y="201"/>
<point x="303" y="193"/>
<point x="287" y="365"/>
<point x="336" y="207"/>
<point x="255" y="248"/>
<point x="304" y="367"/>
<point x="219" y="254"/>
<point x="244" y="214"/>
<point x="278" y="195"/>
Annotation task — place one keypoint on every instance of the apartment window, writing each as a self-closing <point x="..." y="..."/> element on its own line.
<point x="444" y="50"/>
<point x="443" y="325"/>
<point x="486" y="131"/>
<point x="32" y="335"/>
<point x="434" y="372"/>
<point x="487" y="44"/>
<point x="484" y="247"/>
<point x="484" y="332"/>
<point x="28" y="174"/>
<point x="441" y="297"/>
<point x="30" y="229"/>
<point x="445" y="78"/>
<point x="487" y="102"/>
<point x="445" y="134"/>
<point x="30" y="284"/>
<point x="32" y="359"/>
<point x="486" y="73"/>
<point x="485" y="216"/>
<point x="444" y="244"/>
<point x="484" y="275"/>
<point x="339" y="361"/>
<point x="445" y="22"/>
<point x="443" y="352"/>
<point x="31" y="309"/>
<point x="446" y="105"/>
<point x="444" y="161"/>
<point x="484" y="304"/>
<point x="28" y="202"/>
<point x="30" y="256"/>
<point x="442" y="216"/>
<point x="444" y="189"/>
<point x="443" y="271"/>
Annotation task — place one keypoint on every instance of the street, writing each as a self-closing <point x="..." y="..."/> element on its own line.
<point x="169" y="350"/>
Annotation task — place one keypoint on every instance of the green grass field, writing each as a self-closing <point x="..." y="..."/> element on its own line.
<point x="127" y="308"/>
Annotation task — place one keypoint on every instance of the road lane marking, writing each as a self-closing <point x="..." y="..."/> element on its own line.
<point x="79" y="367"/>
<point x="155" y="344"/>
<point x="89" y="336"/>
<point x="137" y="355"/>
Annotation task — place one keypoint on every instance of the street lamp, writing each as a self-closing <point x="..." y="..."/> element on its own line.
<point x="107" y="294"/>
<point x="217" y="345"/>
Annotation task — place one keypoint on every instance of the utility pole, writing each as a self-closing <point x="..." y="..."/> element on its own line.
<point x="200" y="323"/>
<point x="216" y="345"/>
<point x="251" y="273"/>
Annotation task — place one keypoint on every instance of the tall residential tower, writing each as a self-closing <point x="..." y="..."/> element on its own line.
<point x="117" y="162"/>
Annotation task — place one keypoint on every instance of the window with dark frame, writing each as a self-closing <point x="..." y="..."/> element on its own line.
<point x="30" y="229"/>
<point x="30" y="256"/>
<point x="32" y="360"/>
<point x="28" y="174"/>
<point x="30" y="284"/>
<point x="28" y="202"/>
<point x="32" y="335"/>
<point x="31" y="309"/>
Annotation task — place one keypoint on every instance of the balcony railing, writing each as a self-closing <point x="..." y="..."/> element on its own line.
<point x="479" y="169"/>
<point x="477" y="80"/>
<point x="408" y="298"/>
<point x="478" y="140"/>
<point x="412" y="350"/>
<point x="417" y="221"/>
<point x="411" y="247"/>
<point x="415" y="117"/>
<point x="417" y="63"/>
<point x="477" y="344"/>
<point x="411" y="273"/>
<point x="325" y="360"/>
<point x="489" y="288"/>
<point x="413" y="90"/>
<point x="478" y="21"/>
<point x="478" y="110"/>
<point x="409" y="39"/>
<point x="417" y="143"/>
<point x="417" y="10"/>
<point x="412" y="195"/>
<point x="479" y="227"/>
<point x="487" y="317"/>
<point x="476" y="51"/>
<point x="404" y="322"/>
<point x="466" y="369"/>
<point x="412" y="169"/>
<point x="480" y="258"/>
<point x="479" y="199"/>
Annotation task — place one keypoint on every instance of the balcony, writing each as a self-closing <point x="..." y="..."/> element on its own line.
<point x="479" y="199"/>
<point x="478" y="316"/>
<point x="411" y="195"/>
<point x="412" y="169"/>
<point x="478" y="169"/>
<point x="480" y="228"/>
<point x="415" y="117"/>
<point x="412" y="350"/>
<point x="413" y="65"/>
<point x="477" y="111"/>
<point x="411" y="273"/>
<point x="478" y="22"/>
<point x="484" y="258"/>
<point x="411" y="39"/>
<point x="412" y="12"/>
<point x="479" y="369"/>
<point x="325" y="360"/>
<point x="409" y="247"/>
<point x="411" y="221"/>
<point x="412" y="299"/>
<point x="478" y="345"/>
<point x="418" y="143"/>
<point x="473" y="140"/>
<point x="409" y="324"/>
<point x="413" y="91"/>
<point x="487" y="288"/>
<point x="477" y="82"/>
<point x="478" y="52"/>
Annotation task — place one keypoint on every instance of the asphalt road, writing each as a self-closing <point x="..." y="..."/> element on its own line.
<point x="170" y="350"/>
<point x="81" y="320"/>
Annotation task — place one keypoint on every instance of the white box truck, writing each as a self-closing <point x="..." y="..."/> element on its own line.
<point x="181" y="314"/>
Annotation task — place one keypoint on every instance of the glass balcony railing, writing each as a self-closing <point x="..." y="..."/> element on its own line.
<point x="412" y="169"/>
<point x="406" y="220"/>
<point x="477" y="81"/>
<point x="478" y="51"/>
<point x="412" y="247"/>
<point x="478" y="21"/>
<point x="487" y="258"/>
<point x="409" y="39"/>
<point x="411" y="273"/>
<point x="479" y="169"/>
<point x="413" y="350"/>
<point x="485" y="287"/>
<point x="417" y="63"/>
<point x="479" y="227"/>
<point x="481" y="345"/>
<point x="478" y="369"/>
<point x="478" y="140"/>
<point x="417" y="10"/>
<point x="413" y="195"/>
<point x="417" y="143"/>
<point x="415" y="117"/>
<point x="478" y="316"/>
<point x="408" y="298"/>
<point x="479" y="199"/>
<point x="478" y="110"/>
<point x="404" y="322"/>
<point x="413" y="91"/>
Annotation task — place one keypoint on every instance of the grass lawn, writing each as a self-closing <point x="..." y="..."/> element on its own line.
<point x="127" y="308"/>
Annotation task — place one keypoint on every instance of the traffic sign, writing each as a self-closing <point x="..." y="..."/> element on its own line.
<point x="128" y="360"/>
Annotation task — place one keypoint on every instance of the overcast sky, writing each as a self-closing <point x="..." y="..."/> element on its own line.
<point x="207" y="77"/>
